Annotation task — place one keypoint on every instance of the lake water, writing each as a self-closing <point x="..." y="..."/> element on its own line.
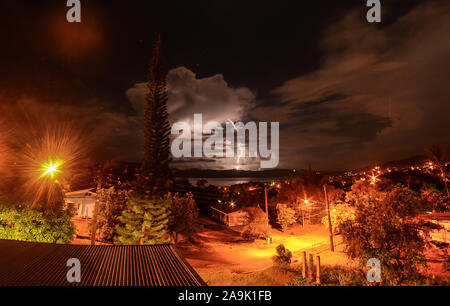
<point x="216" y="181"/>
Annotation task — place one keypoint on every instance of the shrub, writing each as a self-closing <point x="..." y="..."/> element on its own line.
<point x="36" y="226"/>
<point x="339" y="214"/>
<point x="435" y="200"/>
<point x="285" y="216"/>
<point x="256" y="227"/>
<point x="255" y="231"/>
<point x="183" y="217"/>
<point x="283" y="257"/>
<point x="111" y="202"/>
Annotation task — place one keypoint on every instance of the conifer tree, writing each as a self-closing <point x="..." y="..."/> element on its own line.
<point x="155" y="173"/>
<point x="144" y="221"/>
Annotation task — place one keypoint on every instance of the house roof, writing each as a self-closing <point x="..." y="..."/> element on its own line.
<point x="80" y="192"/>
<point x="226" y="208"/>
<point x="45" y="264"/>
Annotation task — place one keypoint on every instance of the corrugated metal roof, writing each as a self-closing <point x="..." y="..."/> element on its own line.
<point x="44" y="264"/>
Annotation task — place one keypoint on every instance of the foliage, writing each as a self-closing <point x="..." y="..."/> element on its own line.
<point x="309" y="185"/>
<point x="334" y="276"/>
<point x="283" y="257"/>
<point x="257" y="227"/>
<point x="435" y="200"/>
<point x="156" y="152"/>
<point x="343" y="276"/>
<point x="353" y="276"/>
<point x="383" y="229"/>
<point x="339" y="214"/>
<point x="440" y="159"/>
<point x="145" y="221"/>
<point x="183" y="217"/>
<point x="285" y="216"/>
<point x="111" y="202"/>
<point x="415" y="180"/>
<point x="22" y="223"/>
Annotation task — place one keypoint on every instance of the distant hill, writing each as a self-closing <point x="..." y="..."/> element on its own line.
<point x="400" y="163"/>
<point x="406" y="162"/>
<point x="270" y="173"/>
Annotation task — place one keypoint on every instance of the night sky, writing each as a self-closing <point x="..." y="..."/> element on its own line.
<point x="346" y="93"/>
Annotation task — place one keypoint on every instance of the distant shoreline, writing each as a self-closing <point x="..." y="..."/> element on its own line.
<point x="228" y="181"/>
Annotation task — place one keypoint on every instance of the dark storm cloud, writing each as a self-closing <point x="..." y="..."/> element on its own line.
<point x="116" y="135"/>
<point x="381" y="93"/>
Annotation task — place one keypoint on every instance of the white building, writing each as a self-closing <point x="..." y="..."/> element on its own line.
<point x="83" y="201"/>
<point x="229" y="215"/>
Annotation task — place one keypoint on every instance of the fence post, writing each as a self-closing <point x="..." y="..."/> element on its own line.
<point x="304" y="265"/>
<point x="311" y="267"/>
<point x="317" y="269"/>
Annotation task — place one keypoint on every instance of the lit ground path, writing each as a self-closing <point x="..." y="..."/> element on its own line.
<point x="222" y="251"/>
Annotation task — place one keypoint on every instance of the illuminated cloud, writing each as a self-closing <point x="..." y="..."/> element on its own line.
<point x="188" y="94"/>
<point x="380" y="94"/>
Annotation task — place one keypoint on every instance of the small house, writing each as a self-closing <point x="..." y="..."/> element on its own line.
<point x="230" y="215"/>
<point x="83" y="201"/>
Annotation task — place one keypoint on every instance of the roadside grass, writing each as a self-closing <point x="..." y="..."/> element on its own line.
<point x="334" y="275"/>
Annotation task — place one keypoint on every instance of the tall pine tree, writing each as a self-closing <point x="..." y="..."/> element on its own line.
<point x="155" y="174"/>
<point x="145" y="221"/>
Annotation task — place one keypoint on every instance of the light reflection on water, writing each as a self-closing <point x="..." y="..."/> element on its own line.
<point x="217" y="181"/>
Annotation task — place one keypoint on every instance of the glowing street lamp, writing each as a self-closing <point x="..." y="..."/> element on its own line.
<point x="51" y="168"/>
<point x="373" y="179"/>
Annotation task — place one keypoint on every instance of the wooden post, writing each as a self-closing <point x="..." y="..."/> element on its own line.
<point x="317" y="269"/>
<point x="304" y="266"/>
<point x="329" y="218"/>
<point x="311" y="267"/>
<point x="267" y="205"/>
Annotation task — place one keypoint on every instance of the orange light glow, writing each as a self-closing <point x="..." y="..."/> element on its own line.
<point x="51" y="168"/>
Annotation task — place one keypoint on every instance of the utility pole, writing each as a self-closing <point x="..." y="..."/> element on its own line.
<point x="267" y="205"/>
<point x="95" y="216"/>
<point x="329" y="218"/>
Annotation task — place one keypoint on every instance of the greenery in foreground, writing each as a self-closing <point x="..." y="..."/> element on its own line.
<point x="291" y="276"/>
<point x="22" y="223"/>
<point x="343" y="276"/>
